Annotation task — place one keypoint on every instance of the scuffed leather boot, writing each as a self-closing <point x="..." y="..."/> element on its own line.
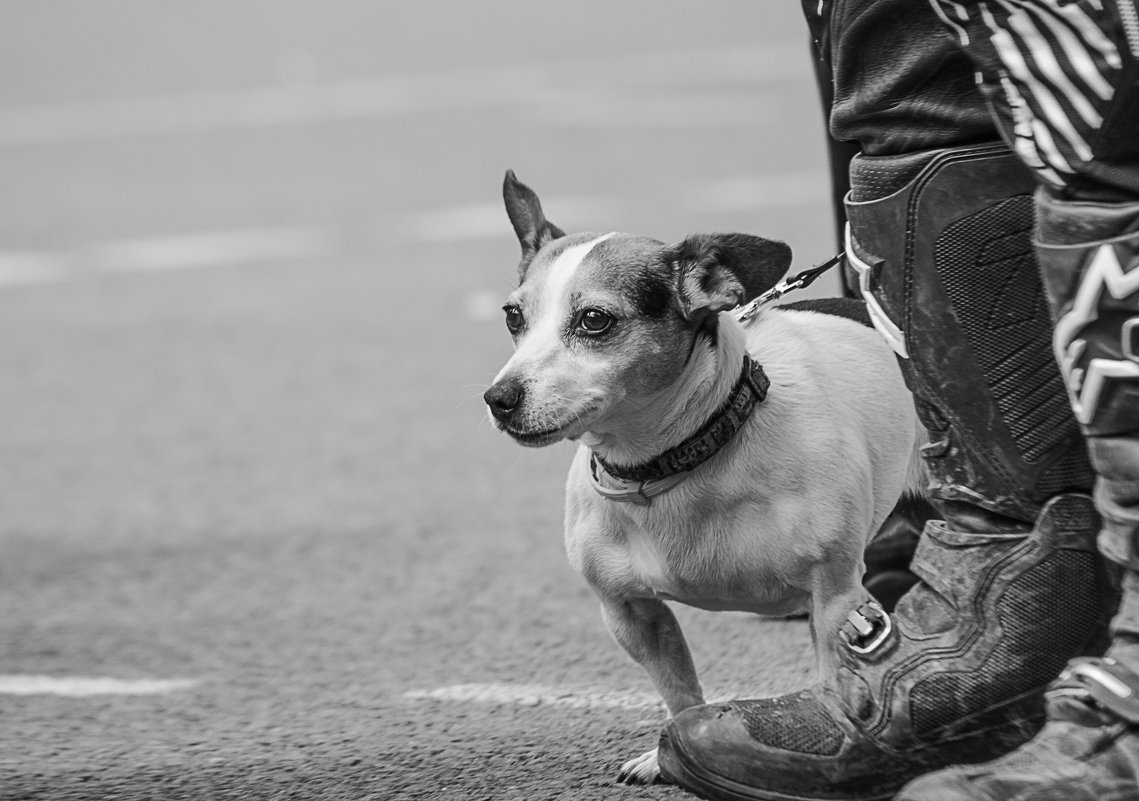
<point x="1089" y="749"/>
<point x="957" y="673"/>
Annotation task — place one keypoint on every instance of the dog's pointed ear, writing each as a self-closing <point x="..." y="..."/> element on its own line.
<point x="530" y="224"/>
<point x="717" y="272"/>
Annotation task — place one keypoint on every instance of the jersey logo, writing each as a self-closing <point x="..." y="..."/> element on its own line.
<point x="1086" y="381"/>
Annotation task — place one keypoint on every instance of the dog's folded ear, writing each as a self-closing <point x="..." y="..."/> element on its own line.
<point x="530" y="224"/>
<point x="716" y="272"/>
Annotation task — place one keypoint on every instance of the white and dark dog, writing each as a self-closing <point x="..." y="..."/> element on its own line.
<point x="724" y="465"/>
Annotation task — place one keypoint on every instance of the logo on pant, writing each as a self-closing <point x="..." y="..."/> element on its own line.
<point x="1087" y="378"/>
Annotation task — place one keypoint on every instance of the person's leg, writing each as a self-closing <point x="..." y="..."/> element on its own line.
<point x="1011" y="586"/>
<point x="1088" y="246"/>
<point x="1089" y="748"/>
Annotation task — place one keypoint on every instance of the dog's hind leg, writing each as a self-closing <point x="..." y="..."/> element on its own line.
<point x="649" y="632"/>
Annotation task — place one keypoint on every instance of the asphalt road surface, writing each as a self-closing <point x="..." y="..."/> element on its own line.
<point x="257" y="538"/>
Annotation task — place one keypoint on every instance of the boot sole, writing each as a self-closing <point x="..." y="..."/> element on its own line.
<point x="677" y="768"/>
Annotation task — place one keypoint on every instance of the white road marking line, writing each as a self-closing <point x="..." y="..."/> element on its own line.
<point x="536" y="695"/>
<point x="761" y="191"/>
<point x="18" y="269"/>
<point x="388" y="96"/>
<point x="226" y="248"/>
<point x="212" y="248"/>
<point x="473" y="221"/>
<point x="455" y="224"/>
<point x="739" y="108"/>
<point x="488" y="220"/>
<point x="79" y="687"/>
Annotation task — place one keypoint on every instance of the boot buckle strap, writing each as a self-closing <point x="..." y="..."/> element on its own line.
<point x="867" y="629"/>
<point x="1105" y="682"/>
<point x="882" y="322"/>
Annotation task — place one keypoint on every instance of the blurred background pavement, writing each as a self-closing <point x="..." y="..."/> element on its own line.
<point x="257" y="539"/>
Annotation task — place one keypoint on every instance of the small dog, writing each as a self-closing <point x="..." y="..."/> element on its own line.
<point x="725" y="465"/>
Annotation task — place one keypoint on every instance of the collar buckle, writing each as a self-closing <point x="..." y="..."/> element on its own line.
<point x="620" y="490"/>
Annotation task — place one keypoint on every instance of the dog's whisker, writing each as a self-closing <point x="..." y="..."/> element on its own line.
<point x="476" y="396"/>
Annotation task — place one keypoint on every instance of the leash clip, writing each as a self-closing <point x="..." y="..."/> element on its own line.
<point x="805" y="278"/>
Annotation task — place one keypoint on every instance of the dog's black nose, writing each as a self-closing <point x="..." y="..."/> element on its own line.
<point x="503" y="398"/>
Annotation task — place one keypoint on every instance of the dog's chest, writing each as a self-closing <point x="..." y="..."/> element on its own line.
<point x="653" y="569"/>
<point x="699" y="568"/>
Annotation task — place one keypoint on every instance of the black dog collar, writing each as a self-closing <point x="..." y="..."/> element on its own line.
<point x="748" y="392"/>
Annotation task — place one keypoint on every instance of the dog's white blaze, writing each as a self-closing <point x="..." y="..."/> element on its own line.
<point x="555" y="296"/>
<point x="546" y="326"/>
<point x="562" y="271"/>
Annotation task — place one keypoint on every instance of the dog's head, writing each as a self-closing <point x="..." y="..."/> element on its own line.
<point x="602" y="322"/>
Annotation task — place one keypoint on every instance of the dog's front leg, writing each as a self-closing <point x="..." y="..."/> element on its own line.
<point x="829" y="613"/>
<point x="649" y="632"/>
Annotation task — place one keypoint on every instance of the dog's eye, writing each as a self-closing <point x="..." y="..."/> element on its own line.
<point x="514" y="319"/>
<point x="594" y="321"/>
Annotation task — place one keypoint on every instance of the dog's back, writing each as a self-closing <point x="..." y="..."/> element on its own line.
<point x="858" y="380"/>
<point x="847" y="308"/>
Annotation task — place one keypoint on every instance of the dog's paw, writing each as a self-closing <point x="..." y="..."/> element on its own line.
<point x="642" y="770"/>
